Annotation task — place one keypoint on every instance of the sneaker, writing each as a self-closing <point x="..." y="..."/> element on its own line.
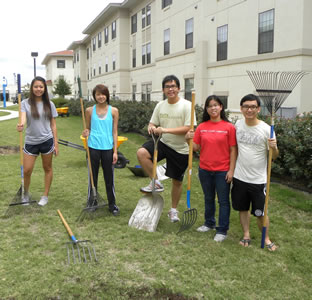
<point x="149" y="189"/>
<point x="25" y="199"/>
<point x="43" y="201"/>
<point x="115" y="210"/>
<point x="204" y="228"/>
<point x="220" y="237"/>
<point x="173" y="216"/>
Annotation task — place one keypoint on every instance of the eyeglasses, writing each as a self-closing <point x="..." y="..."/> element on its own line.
<point x="213" y="106"/>
<point x="251" y="107"/>
<point x="173" y="86"/>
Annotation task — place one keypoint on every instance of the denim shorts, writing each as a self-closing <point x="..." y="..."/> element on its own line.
<point x="46" y="147"/>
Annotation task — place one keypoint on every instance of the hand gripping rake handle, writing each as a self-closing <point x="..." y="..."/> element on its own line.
<point x="19" y="97"/>
<point x="67" y="227"/>
<point x="190" y="158"/>
<point x="85" y="127"/>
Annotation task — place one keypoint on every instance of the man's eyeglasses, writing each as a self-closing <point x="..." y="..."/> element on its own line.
<point x="251" y="107"/>
<point x="173" y="86"/>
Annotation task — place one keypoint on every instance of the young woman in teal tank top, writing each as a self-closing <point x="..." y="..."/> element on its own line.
<point x="102" y="130"/>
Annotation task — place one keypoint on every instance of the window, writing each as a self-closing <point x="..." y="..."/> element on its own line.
<point x="167" y="41"/>
<point x="94" y="43"/>
<point x="88" y="75"/>
<point x="106" y="35"/>
<point x="106" y="64"/>
<point x="114" y="30"/>
<point x="114" y="91"/>
<point x="134" y="21"/>
<point x="266" y="32"/>
<point x="189" y="33"/>
<point x="148" y="53"/>
<point x="99" y="39"/>
<point x="188" y="86"/>
<point x="94" y="70"/>
<point x="143" y="18"/>
<point x="61" y="63"/>
<point x="114" y="61"/>
<point x="222" y="39"/>
<point x="88" y="53"/>
<point x="77" y="56"/>
<point x="143" y="55"/>
<point x="146" y="92"/>
<point x="146" y="16"/>
<point x="100" y="67"/>
<point x="224" y="100"/>
<point x="165" y="3"/>
<point x="134" y="89"/>
<point x="133" y="58"/>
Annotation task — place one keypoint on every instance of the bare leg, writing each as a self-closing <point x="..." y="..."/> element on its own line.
<point x="48" y="172"/>
<point x="176" y="192"/>
<point x="29" y="162"/>
<point x="267" y="239"/>
<point x="146" y="163"/>
<point x="244" y="217"/>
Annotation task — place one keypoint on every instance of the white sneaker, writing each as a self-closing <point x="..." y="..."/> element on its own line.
<point x="149" y="189"/>
<point x="220" y="237"/>
<point x="43" y="201"/>
<point x="203" y="228"/>
<point x="173" y="216"/>
<point x="25" y="199"/>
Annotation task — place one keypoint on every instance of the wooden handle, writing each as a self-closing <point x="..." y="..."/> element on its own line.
<point x="19" y="98"/>
<point x="65" y="223"/>
<point x="190" y="158"/>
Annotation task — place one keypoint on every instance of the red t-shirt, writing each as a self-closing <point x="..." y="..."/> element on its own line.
<point x="215" y="140"/>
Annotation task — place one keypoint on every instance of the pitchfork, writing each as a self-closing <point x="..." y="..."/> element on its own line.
<point x="81" y="250"/>
<point x="190" y="215"/>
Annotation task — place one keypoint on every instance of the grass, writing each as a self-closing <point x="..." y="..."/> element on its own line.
<point x="136" y="264"/>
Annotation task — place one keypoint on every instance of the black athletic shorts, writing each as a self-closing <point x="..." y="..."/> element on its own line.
<point x="244" y="193"/>
<point x="176" y="162"/>
<point x="46" y="147"/>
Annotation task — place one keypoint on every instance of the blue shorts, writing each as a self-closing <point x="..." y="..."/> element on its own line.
<point x="46" y="147"/>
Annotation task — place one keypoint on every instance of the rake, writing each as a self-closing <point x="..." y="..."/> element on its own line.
<point x="273" y="89"/>
<point x="190" y="215"/>
<point x="95" y="201"/>
<point x="81" y="250"/>
<point x="18" y="198"/>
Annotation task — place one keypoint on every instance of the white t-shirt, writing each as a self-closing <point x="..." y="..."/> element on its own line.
<point x="252" y="142"/>
<point x="168" y="115"/>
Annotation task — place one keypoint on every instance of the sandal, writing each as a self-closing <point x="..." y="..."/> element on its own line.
<point x="245" y="242"/>
<point x="271" y="247"/>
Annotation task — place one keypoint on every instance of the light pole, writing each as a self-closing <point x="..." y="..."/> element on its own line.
<point x="34" y="55"/>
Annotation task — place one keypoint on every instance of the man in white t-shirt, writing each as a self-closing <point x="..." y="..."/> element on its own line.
<point x="250" y="175"/>
<point x="172" y="119"/>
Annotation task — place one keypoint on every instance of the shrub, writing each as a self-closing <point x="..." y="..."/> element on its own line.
<point x="60" y="102"/>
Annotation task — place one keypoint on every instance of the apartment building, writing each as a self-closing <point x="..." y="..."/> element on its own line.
<point x="208" y="44"/>
<point x="59" y="64"/>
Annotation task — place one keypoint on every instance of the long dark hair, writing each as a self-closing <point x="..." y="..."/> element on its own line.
<point x="45" y="100"/>
<point x="206" y="116"/>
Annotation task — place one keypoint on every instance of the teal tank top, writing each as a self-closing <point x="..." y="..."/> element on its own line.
<point x="101" y="134"/>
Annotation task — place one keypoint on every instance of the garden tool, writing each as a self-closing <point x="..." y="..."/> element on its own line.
<point x="94" y="201"/>
<point x="149" y="208"/>
<point x="190" y="215"/>
<point x="81" y="250"/>
<point x="273" y="89"/>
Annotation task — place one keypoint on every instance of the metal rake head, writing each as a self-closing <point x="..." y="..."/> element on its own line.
<point x="188" y="220"/>
<point x="80" y="251"/>
<point x="274" y="85"/>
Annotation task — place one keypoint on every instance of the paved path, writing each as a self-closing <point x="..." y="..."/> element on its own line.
<point x="13" y="114"/>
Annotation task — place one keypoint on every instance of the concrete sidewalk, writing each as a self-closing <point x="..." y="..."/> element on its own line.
<point x="13" y="114"/>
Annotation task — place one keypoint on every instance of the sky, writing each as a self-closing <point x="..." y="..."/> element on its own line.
<point x="40" y="26"/>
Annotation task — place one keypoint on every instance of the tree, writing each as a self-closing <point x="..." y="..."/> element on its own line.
<point x="61" y="87"/>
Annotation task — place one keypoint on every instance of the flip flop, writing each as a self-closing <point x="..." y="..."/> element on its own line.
<point x="271" y="246"/>
<point x="245" y="242"/>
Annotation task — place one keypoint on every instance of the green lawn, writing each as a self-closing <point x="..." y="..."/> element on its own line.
<point x="136" y="264"/>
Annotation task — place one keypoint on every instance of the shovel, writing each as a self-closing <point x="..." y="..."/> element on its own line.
<point x="95" y="201"/>
<point x="190" y="215"/>
<point x="81" y="250"/>
<point x="149" y="208"/>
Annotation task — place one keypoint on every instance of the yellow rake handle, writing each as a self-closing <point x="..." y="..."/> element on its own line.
<point x="67" y="226"/>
